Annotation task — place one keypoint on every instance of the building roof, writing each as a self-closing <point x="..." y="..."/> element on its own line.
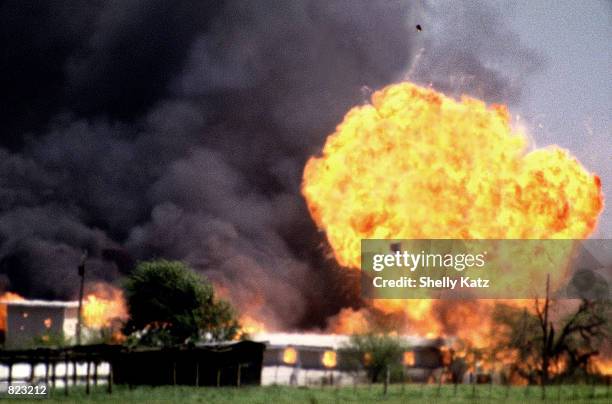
<point x="40" y="303"/>
<point x="333" y="341"/>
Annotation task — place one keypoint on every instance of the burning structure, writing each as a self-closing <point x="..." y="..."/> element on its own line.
<point x="322" y="354"/>
<point x="23" y="320"/>
<point x="27" y="320"/>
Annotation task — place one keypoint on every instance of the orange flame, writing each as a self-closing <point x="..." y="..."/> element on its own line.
<point x="103" y="306"/>
<point x="408" y="358"/>
<point x="290" y="356"/>
<point x="7" y="297"/>
<point x="447" y="356"/>
<point x="329" y="359"/>
<point x="252" y="326"/>
<point x="348" y="321"/>
<point x="603" y="365"/>
<point x="417" y="164"/>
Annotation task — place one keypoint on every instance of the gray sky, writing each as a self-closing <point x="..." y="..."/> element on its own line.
<point x="569" y="103"/>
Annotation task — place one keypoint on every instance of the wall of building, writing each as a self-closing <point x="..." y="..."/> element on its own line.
<point x="25" y="323"/>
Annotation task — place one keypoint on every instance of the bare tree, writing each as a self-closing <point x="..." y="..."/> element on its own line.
<point x="537" y="342"/>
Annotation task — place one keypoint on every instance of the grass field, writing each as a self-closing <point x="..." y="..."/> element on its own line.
<point x="363" y="394"/>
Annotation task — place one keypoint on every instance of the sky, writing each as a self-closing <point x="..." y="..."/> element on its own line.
<point x="569" y="101"/>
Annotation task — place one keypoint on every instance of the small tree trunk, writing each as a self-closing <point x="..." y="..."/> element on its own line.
<point x="387" y="379"/>
<point x="473" y="379"/>
<point x="546" y="342"/>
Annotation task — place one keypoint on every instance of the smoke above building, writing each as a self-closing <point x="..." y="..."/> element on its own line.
<point x="138" y="130"/>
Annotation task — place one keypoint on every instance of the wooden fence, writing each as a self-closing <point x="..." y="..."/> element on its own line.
<point x="231" y="363"/>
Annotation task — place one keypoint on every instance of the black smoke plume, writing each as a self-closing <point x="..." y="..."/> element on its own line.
<point x="180" y="129"/>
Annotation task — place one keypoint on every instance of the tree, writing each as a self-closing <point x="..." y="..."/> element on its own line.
<point x="540" y="345"/>
<point x="170" y="304"/>
<point x="377" y="354"/>
<point x="516" y="341"/>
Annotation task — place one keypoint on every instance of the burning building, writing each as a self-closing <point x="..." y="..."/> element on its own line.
<point x="301" y="355"/>
<point x="23" y="320"/>
<point x="27" y="320"/>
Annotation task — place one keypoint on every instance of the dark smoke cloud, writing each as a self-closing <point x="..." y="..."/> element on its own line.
<point x="180" y="129"/>
<point x="468" y="48"/>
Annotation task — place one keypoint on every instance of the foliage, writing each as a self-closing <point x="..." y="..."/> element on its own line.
<point x="541" y="349"/>
<point x="170" y="304"/>
<point x="103" y="335"/>
<point x="49" y="340"/>
<point x="376" y="353"/>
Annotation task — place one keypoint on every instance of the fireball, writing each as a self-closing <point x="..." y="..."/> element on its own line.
<point x="416" y="164"/>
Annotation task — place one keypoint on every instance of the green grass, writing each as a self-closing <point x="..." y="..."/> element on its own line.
<point x="363" y="394"/>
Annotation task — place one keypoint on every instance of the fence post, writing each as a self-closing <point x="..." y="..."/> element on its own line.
<point x="87" y="378"/>
<point x="53" y="372"/>
<point x="74" y="372"/>
<point x="238" y="375"/>
<point x="197" y="374"/>
<point x="66" y="363"/>
<point x="110" y="378"/>
<point x="47" y="370"/>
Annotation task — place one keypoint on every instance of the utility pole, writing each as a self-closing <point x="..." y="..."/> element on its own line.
<point x="81" y="291"/>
